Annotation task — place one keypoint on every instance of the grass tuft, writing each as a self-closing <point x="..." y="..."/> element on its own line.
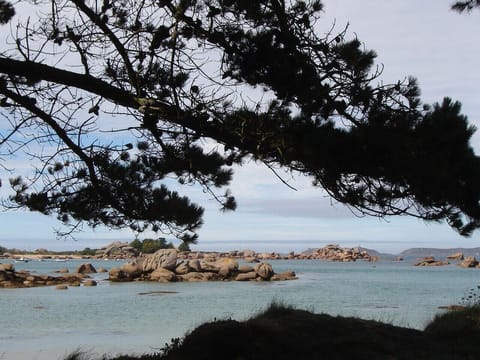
<point x="466" y="319"/>
<point x="78" y="355"/>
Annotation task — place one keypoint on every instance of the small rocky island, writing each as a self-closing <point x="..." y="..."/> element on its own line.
<point x="332" y="252"/>
<point x="167" y="265"/>
<point x="464" y="262"/>
<point x="10" y="278"/>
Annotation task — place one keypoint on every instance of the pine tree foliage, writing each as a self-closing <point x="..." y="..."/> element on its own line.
<point x="467" y="5"/>
<point x="121" y="95"/>
<point x="7" y="11"/>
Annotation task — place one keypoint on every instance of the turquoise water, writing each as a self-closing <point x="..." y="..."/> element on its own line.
<point x="45" y="323"/>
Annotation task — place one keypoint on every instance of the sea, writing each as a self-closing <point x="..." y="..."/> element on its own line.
<point x="141" y="317"/>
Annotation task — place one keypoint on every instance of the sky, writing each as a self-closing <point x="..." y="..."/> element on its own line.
<point x="420" y="38"/>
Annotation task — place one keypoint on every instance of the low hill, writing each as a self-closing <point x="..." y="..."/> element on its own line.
<point x="439" y="253"/>
<point x="380" y="255"/>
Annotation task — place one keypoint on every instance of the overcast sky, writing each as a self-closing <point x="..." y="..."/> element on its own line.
<point x="420" y="38"/>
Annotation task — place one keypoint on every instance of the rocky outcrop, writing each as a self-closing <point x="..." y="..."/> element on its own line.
<point x="264" y="271"/>
<point x="227" y="267"/>
<point x="132" y="268"/>
<point x="469" y="262"/>
<point x="252" y="275"/>
<point x="162" y="275"/>
<point x="430" y="261"/>
<point x="116" y="274"/>
<point x="183" y="268"/>
<point x="288" y="275"/>
<point x="89" y="282"/>
<point x="329" y="252"/>
<point x="62" y="271"/>
<point x="86" y="268"/>
<point x="164" y="258"/>
<point x="338" y="253"/>
<point x="127" y="272"/>
<point x="195" y="265"/>
<point x="10" y="278"/>
<point x="7" y="267"/>
<point x="457" y="256"/>
<point x="245" y="269"/>
<point x="117" y="250"/>
<point x="168" y="265"/>
<point x="199" y="277"/>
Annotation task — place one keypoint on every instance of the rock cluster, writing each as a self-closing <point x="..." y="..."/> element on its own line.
<point x="117" y="250"/>
<point x="85" y="268"/>
<point x="166" y="266"/>
<point x="9" y="278"/>
<point x="338" y="253"/>
<point x="457" y="256"/>
<point x="469" y="262"/>
<point x="430" y="261"/>
<point x="329" y="252"/>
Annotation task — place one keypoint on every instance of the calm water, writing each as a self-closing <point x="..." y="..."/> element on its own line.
<point x="45" y="323"/>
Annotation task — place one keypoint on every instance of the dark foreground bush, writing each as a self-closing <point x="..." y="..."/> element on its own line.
<point x="459" y="328"/>
<point x="286" y="333"/>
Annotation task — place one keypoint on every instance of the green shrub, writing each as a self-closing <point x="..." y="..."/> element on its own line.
<point x="184" y="247"/>
<point x="149" y="246"/>
<point x="459" y="328"/>
<point x="137" y="244"/>
<point x="88" y="252"/>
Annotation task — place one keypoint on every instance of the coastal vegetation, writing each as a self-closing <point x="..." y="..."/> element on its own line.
<point x="283" y="332"/>
<point x="149" y="246"/>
